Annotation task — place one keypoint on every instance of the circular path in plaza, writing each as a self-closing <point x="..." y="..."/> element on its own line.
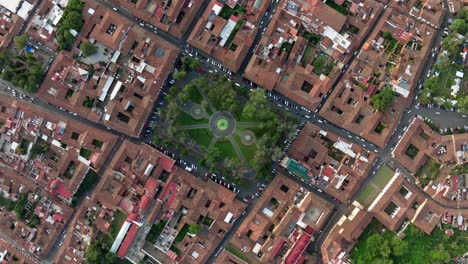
<point x="222" y="124"/>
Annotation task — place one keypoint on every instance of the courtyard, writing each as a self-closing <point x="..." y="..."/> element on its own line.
<point x="375" y="186"/>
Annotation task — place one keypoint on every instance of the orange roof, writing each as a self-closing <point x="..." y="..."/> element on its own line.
<point x="150" y="186"/>
<point x="127" y="241"/>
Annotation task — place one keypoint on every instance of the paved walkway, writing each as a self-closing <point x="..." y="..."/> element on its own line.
<point x="193" y="126"/>
<point x="213" y="141"/>
<point x="210" y="105"/>
<point x="213" y="123"/>
<point x="250" y="174"/>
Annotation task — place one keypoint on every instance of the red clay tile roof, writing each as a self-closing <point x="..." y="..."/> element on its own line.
<point x="57" y="217"/>
<point x="173" y="197"/>
<point x="132" y="217"/>
<point x="150" y="186"/>
<point x="277" y="248"/>
<point x="127" y="241"/>
<point x="298" y="249"/>
<point x="57" y="188"/>
<point x="170" y="186"/>
<point x="144" y="202"/>
<point x="328" y="172"/>
<point x="167" y="163"/>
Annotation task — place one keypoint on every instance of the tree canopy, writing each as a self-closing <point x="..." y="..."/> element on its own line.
<point x="88" y="49"/>
<point x="98" y="251"/>
<point x="71" y="20"/>
<point x="20" y="41"/>
<point x="179" y="75"/>
<point x="194" y="229"/>
<point x="190" y="64"/>
<point x="387" y="35"/>
<point x="383" y="99"/>
<point x="22" y="70"/>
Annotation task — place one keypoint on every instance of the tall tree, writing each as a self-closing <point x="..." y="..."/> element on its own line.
<point x="20" y="41"/>
<point x="383" y="99"/>
<point x="88" y="49"/>
<point x="377" y="246"/>
<point x="399" y="247"/>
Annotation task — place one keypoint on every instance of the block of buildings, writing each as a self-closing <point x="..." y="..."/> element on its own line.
<point x="53" y="150"/>
<point x="9" y="254"/>
<point x="227" y="32"/>
<point x="398" y="204"/>
<point x="124" y="199"/>
<point x="189" y="202"/>
<point x="10" y="26"/>
<point x="344" y="235"/>
<point x="45" y="20"/>
<point x="420" y="142"/>
<point x="282" y="223"/>
<point x="79" y="235"/>
<point x="332" y="163"/>
<point x="306" y="45"/>
<point x="175" y="16"/>
<point x="421" y="146"/>
<point x="393" y="56"/>
<point x="32" y="217"/>
<point x="430" y="12"/>
<point x="116" y="86"/>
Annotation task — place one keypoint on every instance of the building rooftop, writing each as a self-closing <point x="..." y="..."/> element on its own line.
<point x="10" y="25"/>
<point x="429" y="143"/>
<point x="305" y="46"/>
<point x="281" y="223"/>
<point x="175" y="16"/>
<point x="57" y="151"/>
<point x="119" y="84"/>
<point x="328" y="161"/>
<point x="9" y="254"/>
<point x="430" y="12"/>
<point x="393" y="56"/>
<point x="228" y="33"/>
<point x="188" y="201"/>
<point x="46" y="214"/>
<point x="43" y="25"/>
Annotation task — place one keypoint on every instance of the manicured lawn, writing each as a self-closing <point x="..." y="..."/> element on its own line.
<point x="383" y="176"/>
<point x="367" y="195"/>
<point x="242" y="128"/>
<point x="247" y="151"/>
<point x="180" y="236"/>
<point x="226" y="148"/>
<point x="428" y="171"/>
<point x="91" y="178"/>
<point x="307" y="54"/>
<point x="184" y="119"/>
<point x="373" y="188"/>
<point x="241" y="255"/>
<point x="202" y="136"/>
